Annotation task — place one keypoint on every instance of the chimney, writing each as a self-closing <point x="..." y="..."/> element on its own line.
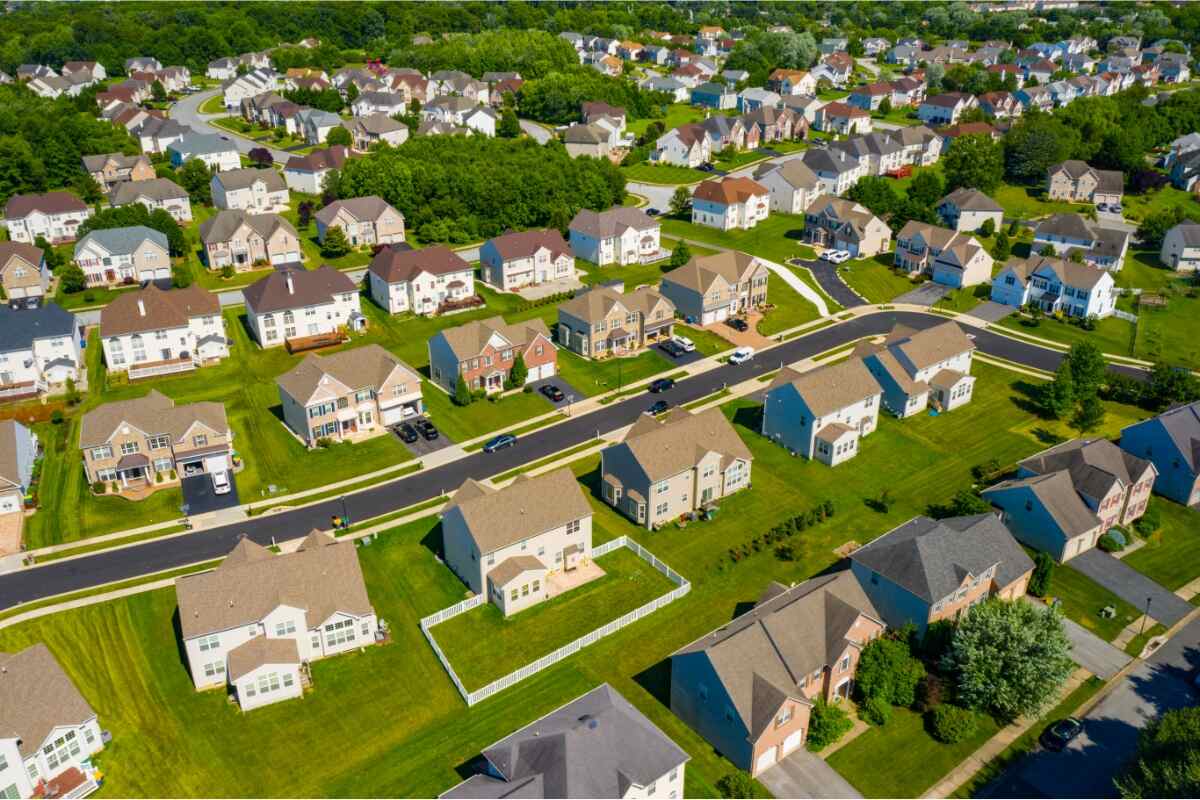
<point x="290" y="285"/>
<point x="141" y="307"/>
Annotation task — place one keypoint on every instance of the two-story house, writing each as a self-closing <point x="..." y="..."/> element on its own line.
<point x="841" y="118"/>
<point x="1045" y="512"/>
<point x="505" y="543"/>
<point x="23" y="271"/>
<point x="713" y="288"/>
<point x="307" y="173"/>
<point x="915" y="368"/>
<point x="1054" y="284"/>
<point x="835" y="168"/>
<point x="248" y="241"/>
<point x="483" y="353"/>
<point x="945" y="109"/>
<point x="620" y="235"/>
<point x="366" y="221"/>
<point x="686" y="146"/>
<point x="1112" y="482"/>
<point x="792" y="185"/>
<point x="296" y="304"/>
<point x="822" y="414"/>
<point x="749" y="687"/>
<point x="1077" y="182"/>
<point x="1100" y="247"/>
<point x="259" y="191"/>
<point x="669" y="466"/>
<point x="375" y="129"/>
<point x="967" y="209"/>
<point x="879" y="153"/>
<point x="18" y="452"/>
<point x="55" y="216"/>
<point x="1180" y="248"/>
<point x="603" y="321"/>
<point x="949" y="257"/>
<point x="217" y="152"/>
<point x="832" y="222"/>
<point x="110" y="169"/>
<point x="730" y="204"/>
<point x="348" y="396"/>
<point x="149" y="443"/>
<point x="425" y="281"/>
<point x="927" y="570"/>
<point x="39" y="350"/>
<point x="719" y="96"/>
<point x="154" y="194"/>
<point x="48" y="731"/>
<point x="597" y="745"/>
<point x="254" y="621"/>
<point x="1171" y="442"/>
<point x="792" y="82"/>
<point x="113" y="256"/>
<point x="155" y="332"/>
<point x="526" y="258"/>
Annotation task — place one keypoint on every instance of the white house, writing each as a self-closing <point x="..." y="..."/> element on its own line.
<point x="685" y="146"/>
<point x="298" y="303"/>
<point x="967" y="210"/>
<point x="836" y="169"/>
<point x="1181" y="247"/>
<point x="420" y="281"/>
<point x="463" y="112"/>
<point x="526" y="258"/>
<point x="253" y="622"/>
<point x="915" y="368"/>
<point x="181" y="329"/>
<point x="949" y="257"/>
<point x="259" y="191"/>
<point x="620" y="235"/>
<point x="730" y="203"/>
<point x="793" y="186"/>
<point x="56" y="216"/>
<point x="39" y="350"/>
<point x="217" y="152"/>
<point x="236" y="89"/>
<point x="1100" y="246"/>
<point x="822" y="413"/>
<point x="1054" y="284"/>
<point x="307" y="173"/>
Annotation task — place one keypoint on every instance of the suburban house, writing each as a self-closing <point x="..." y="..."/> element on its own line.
<point x="155" y="332"/>
<point x="967" y="209"/>
<point x="48" y="731"/>
<point x="113" y="256"/>
<point x="1000" y="105"/>
<point x="730" y="203"/>
<point x="671" y="466"/>
<point x="1101" y="247"/>
<point x="836" y="169"/>
<point x="154" y="194"/>
<point x="483" y="352"/>
<point x="259" y="191"/>
<point x="1185" y="170"/>
<point x="426" y="281"/>
<point x="110" y="169"/>
<point x="154" y="134"/>
<point x="922" y="147"/>
<point x="1171" y="442"/>
<point x="526" y="258"/>
<point x="949" y="257"/>
<point x="714" y="288"/>
<point x="142" y="444"/>
<point x="915" y="368"/>
<point x="603" y="322"/>
<point x="316" y="125"/>
<point x="945" y="109"/>
<point x="679" y="91"/>
<point x="23" y="271"/>
<point x="870" y="97"/>
<point x="686" y="146"/>
<point x="39" y="350"/>
<point x="375" y="128"/>
<point x="771" y="124"/>
<point x="217" y="152"/>
<point x="585" y="139"/>
<point x="507" y="543"/>
<point x="1180" y="248"/>
<point x="755" y="98"/>
<point x="348" y="396"/>
<point x="791" y="82"/>
<point x="832" y="222"/>
<point x="719" y="96"/>
<point x="386" y="103"/>
<point x="838" y="117"/>
<point x="366" y="221"/>
<point x="1038" y="97"/>
<point x="1055" y="284"/>
<point x="463" y="112"/>
<point x="878" y="153"/>
<point x="927" y="570"/>
<point x="597" y="745"/>
<point x="18" y="451"/>
<point x="1076" y="182"/>
<point x="821" y="414"/>
<point x="307" y="173"/>
<point x="296" y="304"/>
<point x="837" y="68"/>
<point x="254" y="622"/>
<point x="792" y="185"/>
<point x="1114" y="483"/>
<point x="56" y="216"/>
<point x="749" y="687"/>
<point x="621" y="235"/>
<point x="248" y="241"/>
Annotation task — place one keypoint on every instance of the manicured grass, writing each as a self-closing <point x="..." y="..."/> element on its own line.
<point x="898" y="116"/>
<point x="213" y="105"/>
<point x="1082" y="599"/>
<point x="664" y="173"/>
<point x="1171" y="334"/>
<point x="874" y="278"/>
<point x="736" y="160"/>
<point x="966" y="298"/>
<point x="1143" y="270"/>
<point x="1137" y="207"/>
<point x="777" y="238"/>
<point x="88" y="298"/>
<point x="832" y="94"/>
<point x="406" y="469"/>
<point x="901" y="759"/>
<point x="1111" y="335"/>
<point x="482" y="645"/>
<point x="790" y="308"/>
<point x="635" y="275"/>
<point x="1138" y="643"/>
<point x="677" y="114"/>
<point x="1018" y="202"/>
<point x="483" y="416"/>
<point x="1170" y="556"/>
<point x="596" y="377"/>
<point x="706" y="342"/>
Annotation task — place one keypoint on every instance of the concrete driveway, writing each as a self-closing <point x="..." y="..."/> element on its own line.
<point x="199" y="497"/>
<point x="1090" y="651"/>
<point x="1132" y="586"/>
<point x="926" y="294"/>
<point x="802" y="774"/>
<point x="991" y="312"/>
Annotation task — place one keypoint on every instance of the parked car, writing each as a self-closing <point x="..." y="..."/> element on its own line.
<point x="427" y="429"/>
<point x="658" y="407"/>
<point x="220" y="481"/>
<point x="553" y="393"/>
<point x="500" y="442"/>
<point x="408" y="434"/>
<point x="687" y="344"/>
<point x="672" y="348"/>
<point x="652" y="212"/>
<point x="839" y="256"/>
<point x="738" y="324"/>
<point x="741" y="355"/>
<point x="1116" y="208"/>
<point x="706" y="167"/>
<point x="661" y="385"/>
<point x="1060" y="734"/>
<point x="1102" y="206"/>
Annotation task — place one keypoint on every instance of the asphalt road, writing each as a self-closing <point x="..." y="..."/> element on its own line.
<point x="832" y="283"/>
<point x="187" y="112"/>
<point x="162" y="554"/>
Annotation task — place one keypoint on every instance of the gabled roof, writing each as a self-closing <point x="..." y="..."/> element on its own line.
<point x="152" y="309"/>
<point x="1096" y="466"/>
<point x="37" y="696"/>
<point x="596" y="303"/>
<point x="29" y="253"/>
<point x="971" y="200"/>
<point x="614" y="221"/>
<point x="295" y="288"/>
<point x="831" y="387"/>
<point x="927" y="347"/>
<point x="199" y="144"/>
<point x="585" y="133"/>
<point x="678" y="441"/>
<point x="525" y="508"/>
<point x="20" y="329"/>
<point x="468" y="340"/>
<point x="155" y="189"/>
<point x="21" y="205"/>
<point x="123" y="241"/>
<point x="842" y="110"/>
<point x="523" y="244"/>
<point x="728" y="191"/>
<point x="318" y="160"/>
<point x="363" y="209"/>
<point x="1071" y="226"/>
<point x="261" y="651"/>
<point x="235" y="179"/>
<point x="1181" y="424"/>
<point x="366" y="367"/>
<point x="1057" y="494"/>
<point x="700" y="272"/>
<point x="398" y="266"/>
<point x="152" y="414"/>
<point x="794" y="172"/>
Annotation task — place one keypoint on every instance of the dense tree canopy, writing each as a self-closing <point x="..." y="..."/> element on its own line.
<point x="1168" y="758"/>
<point x="532" y="53"/>
<point x="556" y="97"/>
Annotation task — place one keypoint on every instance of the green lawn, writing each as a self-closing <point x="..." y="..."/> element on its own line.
<point x="791" y="309"/>
<point x="736" y="160"/>
<point x="1143" y="270"/>
<point x="777" y="238"/>
<point x="634" y="275"/>
<point x="1018" y="202"/>
<point x="874" y="278"/>
<point x="1082" y="599"/>
<point x="213" y="105"/>
<point x="92" y="296"/>
<point x="1111" y="335"/>
<point x="663" y="173"/>
<point x="677" y="114"/>
<point x="1137" y="207"/>
<point x="483" y="645"/>
<point x="901" y="759"/>
<point x="966" y="298"/>
<point x="596" y="377"/>
<point x="1171" y="334"/>
<point x="1169" y="555"/>
<point x="483" y="416"/>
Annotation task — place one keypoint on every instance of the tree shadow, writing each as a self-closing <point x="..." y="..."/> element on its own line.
<point x="1046" y="436"/>
<point x="1029" y="398"/>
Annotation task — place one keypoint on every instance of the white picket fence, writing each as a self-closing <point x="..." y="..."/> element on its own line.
<point x="682" y="587"/>
<point x="1125" y="315"/>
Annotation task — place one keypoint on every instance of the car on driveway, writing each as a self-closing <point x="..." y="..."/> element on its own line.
<point x="661" y="385"/>
<point x="839" y="257"/>
<point x="1102" y="207"/>
<point x="687" y="344"/>
<point x="220" y="480"/>
<point x="706" y="167"/>
<point x="427" y="430"/>
<point x="673" y="349"/>
<point x="1116" y="208"/>
<point x="658" y="407"/>
<point x="500" y="442"/>
<point x="652" y="212"/>
<point x="741" y="355"/>
<point x="407" y="433"/>
<point x="552" y="393"/>
<point x="738" y="324"/>
<point x="1060" y="734"/>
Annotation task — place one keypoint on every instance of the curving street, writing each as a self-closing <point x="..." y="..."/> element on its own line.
<point x="187" y="112"/>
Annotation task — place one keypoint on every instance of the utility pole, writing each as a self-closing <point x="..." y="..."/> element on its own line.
<point x="1143" y="628"/>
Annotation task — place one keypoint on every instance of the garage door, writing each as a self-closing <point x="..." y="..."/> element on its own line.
<point x="765" y="761"/>
<point x="216" y="463"/>
<point x="792" y="742"/>
<point x="285" y="258"/>
<point x="391" y="416"/>
<point x="544" y="371"/>
<point x="162" y="272"/>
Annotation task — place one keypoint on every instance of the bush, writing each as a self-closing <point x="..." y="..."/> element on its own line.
<point x="173" y="475"/>
<point x="736" y="785"/>
<point x="888" y="671"/>
<point x="1148" y="522"/>
<point x="158" y="477"/>
<point x="112" y="487"/>
<point x="1112" y="542"/>
<point x="56" y="416"/>
<point x="930" y="693"/>
<point x="227" y="271"/>
<point x="951" y="724"/>
<point x="786" y="552"/>
<point x="936" y="640"/>
<point x="1043" y="572"/>
<point x="98" y="487"/>
<point x="876" y="711"/>
<point x="826" y="725"/>
<point x="324" y="441"/>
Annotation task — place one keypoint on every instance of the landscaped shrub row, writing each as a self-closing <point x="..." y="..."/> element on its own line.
<point x="548" y="300"/>
<point x="779" y="534"/>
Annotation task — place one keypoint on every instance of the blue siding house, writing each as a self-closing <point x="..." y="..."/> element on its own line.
<point x="714" y="95"/>
<point x="1171" y="441"/>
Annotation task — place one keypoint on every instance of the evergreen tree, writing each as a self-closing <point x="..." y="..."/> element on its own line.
<point x="71" y="278"/>
<point x="462" y="392"/>
<point x="1060" y="393"/>
<point x="681" y="254"/>
<point x="1002" y="249"/>
<point x="518" y="373"/>
<point x="335" y="243"/>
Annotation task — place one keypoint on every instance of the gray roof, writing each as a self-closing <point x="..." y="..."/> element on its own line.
<point x="971" y="200"/>
<point x="831" y="387"/>
<point x="297" y="288"/>
<point x="1095" y="465"/>
<point x="221" y="226"/>
<point x="36" y="696"/>
<point x="155" y="189"/>
<point x="1182" y="426"/>
<point x="235" y="179"/>
<point x="1057" y="494"/>
<point x="120" y="241"/>
<point x="19" y="329"/>
<point x="604" y="224"/>
<point x="1071" y="226"/>
<point x="1189" y="232"/>
<point x="931" y="558"/>
<point x="824" y="159"/>
<point x="200" y="144"/>
<point x="598" y="745"/>
<point x="526" y="507"/>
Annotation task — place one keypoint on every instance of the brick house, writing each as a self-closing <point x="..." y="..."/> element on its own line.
<point x="483" y="353"/>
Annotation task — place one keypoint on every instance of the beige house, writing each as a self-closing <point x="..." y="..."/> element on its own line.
<point x="256" y="190"/>
<point x="375" y="128"/>
<point x="114" y="256"/>
<point x="526" y="258"/>
<point x="587" y="139"/>
<point x="348" y="396"/>
<point x="23" y="271"/>
<point x="713" y="288"/>
<point x="1076" y="182"/>
<point x="507" y="542"/>
<point x="110" y="169"/>
<point x="249" y="241"/>
<point x="154" y="194"/>
<point x="666" y="468"/>
<point x="602" y="321"/>
<point x="137" y="444"/>
<point x="366" y="221"/>
<point x="948" y="256"/>
<point x="841" y="224"/>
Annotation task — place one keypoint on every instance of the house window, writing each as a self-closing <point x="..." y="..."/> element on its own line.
<point x="316" y="642"/>
<point x="784" y="717"/>
<point x="537" y="586"/>
<point x="129" y="448"/>
<point x="212" y="642"/>
<point x="3" y="767"/>
<point x="200" y="441"/>
<point x="337" y="633"/>
<point x="213" y="669"/>
<point x="515" y="596"/>
<point x="101" y="453"/>
<point x="159" y="442"/>
<point x="573" y="526"/>
<point x="284" y="628"/>
<point x="845" y="665"/>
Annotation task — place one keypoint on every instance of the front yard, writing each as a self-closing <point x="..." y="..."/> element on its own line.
<point x="790" y="308"/>
<point x="1169" y="555"/>
<point x="874" y="278"/>
<point x="1082" y="599"/>
<point x="777" y="238"/>
<point x="1111" y="335"/>
<point x="668" y="174"/>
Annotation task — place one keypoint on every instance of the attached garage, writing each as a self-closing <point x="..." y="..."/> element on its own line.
<point x="544" y="371"/>
<point x="162" y="273"/>
<point x="716" y="315"/>
<point x="793" y="741"/>
<point x="290" y="257"/>
<point x="216" y="463"/>
<point x="765" y="760"/>
<point x="395" y="414"/>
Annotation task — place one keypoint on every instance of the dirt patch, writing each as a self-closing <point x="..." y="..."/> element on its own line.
<point x="845" y="550"/>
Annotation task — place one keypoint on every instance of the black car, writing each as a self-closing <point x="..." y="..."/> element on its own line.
<point x="658" y="407"/>
<point x="706" y="167"/>
<point x="500" y="442"/>
<point x="737" y="324"/>
<point x="673" y="349"/>
<point x="408" y="434"/>
<point x="553" y="393"/>
<point x="427" y="429"/>
<point x="1060" y="734"/>
<point x="652" y="212"/>
<point x="661" y="385"/>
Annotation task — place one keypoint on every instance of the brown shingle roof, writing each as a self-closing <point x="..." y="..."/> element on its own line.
<point x="158" y="309"/>
<point x="244" y="178"/>
<point x="699" y="272"/>
<point x="668" y="446"/>
<point x="307" y="288"/>
<point x="316" y="161"/>
<point x="831" y="387"/>
<point x="524" y="508"/>
<point x="27" y="252"/>
<point x="522" y="244"/>
<point x="260" y="651"/>
<point x="728" y="191"/>
<point x="152" y="414"/>
<point x="397" y="266"/>
<point x="467" y="341"/>
<point x="358" y="368"/>
<point x="603" y="224"/>
<point x="222" y="226"/>
<point x="36" y="696"/>
<point x="369" y="208"/>
<point x="21" y="205"/>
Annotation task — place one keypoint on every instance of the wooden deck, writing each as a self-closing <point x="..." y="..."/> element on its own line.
<point x="302" y="344"/>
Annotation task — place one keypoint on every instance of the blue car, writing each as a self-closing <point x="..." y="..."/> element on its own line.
<point x="500" y="442"/>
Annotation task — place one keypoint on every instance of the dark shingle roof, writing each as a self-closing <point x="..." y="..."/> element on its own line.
<point x="19" y="329"/>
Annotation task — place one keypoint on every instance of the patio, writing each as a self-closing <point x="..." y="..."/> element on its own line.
<point x="565" y="580"/>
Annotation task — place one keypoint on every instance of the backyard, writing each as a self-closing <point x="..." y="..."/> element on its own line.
<point x="663" y="174"/>
<point x="777" y="238"/>
<point x="677" y="114"/>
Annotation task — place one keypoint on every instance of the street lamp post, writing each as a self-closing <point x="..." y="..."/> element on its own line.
<point x="345" y="514"/>
<point x="1147" y="615"/>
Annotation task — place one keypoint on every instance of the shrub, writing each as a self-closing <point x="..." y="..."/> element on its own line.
<point x="1112" y="541"/>
<point x="1148" y="522"/>
<point x="112" y="487"/>
<point x="98" y="487"/>
<point x="324" y="441"/>
<point x="173" y="475"/>
<point x="158" y="477"/>
<point x="56" y="416"/>
<point x="736" y="785"/>
<point x="951" y="724"/>
<point x="930" y="693"/>
<point x="988" y="227"/>
<point x="227" y="271"/>
<point x="936" y="640"/>
<point x="877" y="711"/>
<point x="1043" y="572"/>
<point x="89" y="297"/>
<point x="888" y="671"/>
<point x="785" y="552"/>
<point x="826" y="725"/>
<point x="527" y="388"/>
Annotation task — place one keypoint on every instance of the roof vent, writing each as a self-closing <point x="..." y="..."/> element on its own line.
<point x="141" y="307"/>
